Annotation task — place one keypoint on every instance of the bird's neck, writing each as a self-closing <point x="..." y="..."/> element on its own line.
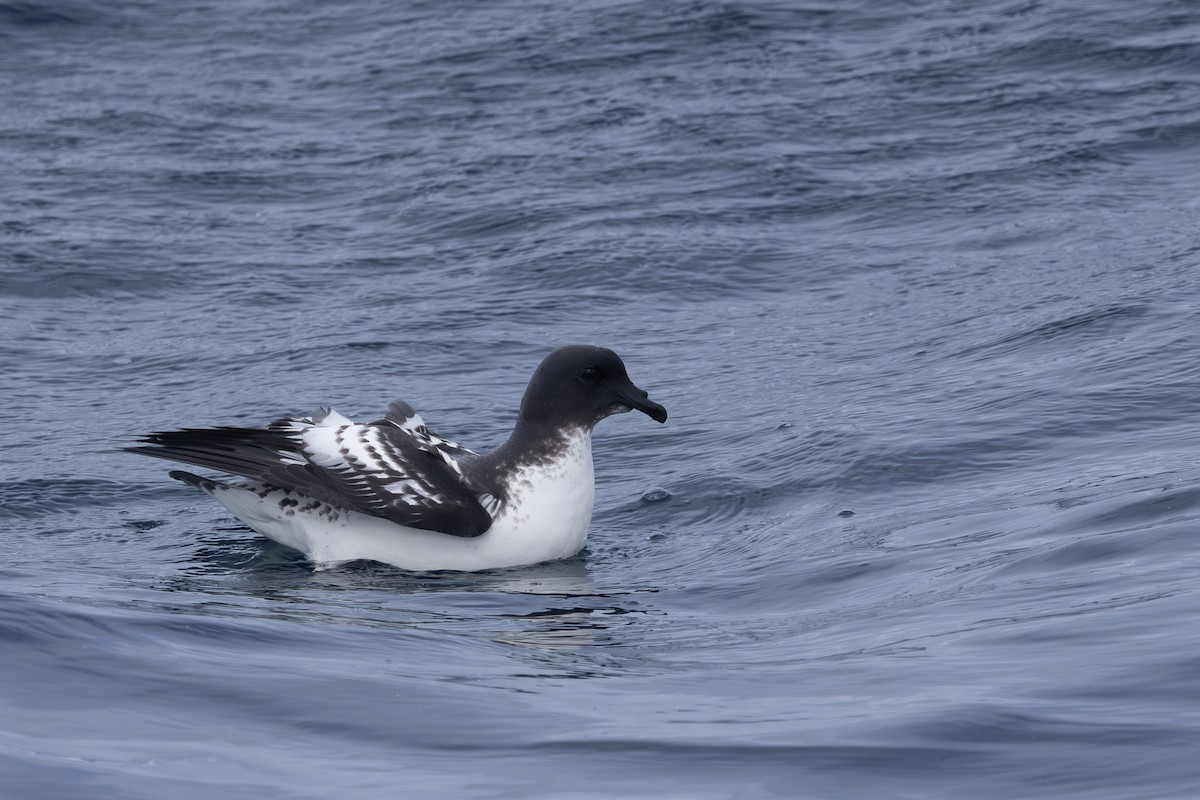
<point x="534" y="444"/>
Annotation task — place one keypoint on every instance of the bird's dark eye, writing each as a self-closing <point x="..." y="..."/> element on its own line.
<point x="592" y="375"/>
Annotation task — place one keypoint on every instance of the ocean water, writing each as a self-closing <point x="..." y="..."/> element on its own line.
<point x="917" y="281"/>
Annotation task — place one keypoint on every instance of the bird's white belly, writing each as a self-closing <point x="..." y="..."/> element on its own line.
<point x="544" y="517"/>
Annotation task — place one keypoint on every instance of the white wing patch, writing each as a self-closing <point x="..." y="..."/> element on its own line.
<point x="368" y="460"/>
<point x="402" y="416"/>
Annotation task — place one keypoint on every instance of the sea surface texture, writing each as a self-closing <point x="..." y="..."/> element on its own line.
<point x="919" y="283"/>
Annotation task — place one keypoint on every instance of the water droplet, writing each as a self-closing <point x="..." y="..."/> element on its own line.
<point x="655" y="494"/>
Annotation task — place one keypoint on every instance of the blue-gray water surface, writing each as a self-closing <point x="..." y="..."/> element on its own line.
<point x="919" y="283"/>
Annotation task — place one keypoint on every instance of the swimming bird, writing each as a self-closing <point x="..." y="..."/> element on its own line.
<point x="392" y="491"/>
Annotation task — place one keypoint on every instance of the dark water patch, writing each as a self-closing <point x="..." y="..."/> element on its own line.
<point x="16" y="16"/>
<point x="39" y="497"/>
<point x="37" y="272"/>
<point x="932" y="464"/>
<point x="40" y="624"/>
<point x="1084" y="327"/>
<point x="1086" y="552"/>
<point x="1083" y="55"/>
<point x="750" y="756"/>
<point x="995" y="725"/>
<point x="1165" y="505"/>
<point x="111" y="121"/>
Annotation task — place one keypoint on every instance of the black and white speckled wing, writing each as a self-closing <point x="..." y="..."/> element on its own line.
<point x="402" y="416"/>
<point x="381" y="468"/>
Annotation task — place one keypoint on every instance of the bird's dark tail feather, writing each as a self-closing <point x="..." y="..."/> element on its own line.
<point x="248" y="452"/>
<point x="191" y="479"/>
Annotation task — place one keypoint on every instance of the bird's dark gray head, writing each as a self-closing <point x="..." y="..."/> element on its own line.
<point x="580" y="385"/>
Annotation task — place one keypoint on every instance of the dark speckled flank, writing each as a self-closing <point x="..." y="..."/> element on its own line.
<point x="396" y="469"/>
<point x="289" y="502"/>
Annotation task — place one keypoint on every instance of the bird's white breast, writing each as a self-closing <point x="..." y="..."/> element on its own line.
<point x="549" y="504"/>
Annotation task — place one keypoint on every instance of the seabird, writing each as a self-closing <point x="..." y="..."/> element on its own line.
<point x="394" y="492"/>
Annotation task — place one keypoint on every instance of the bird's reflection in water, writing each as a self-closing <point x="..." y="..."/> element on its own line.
<point x="572" y="628"/>
<point x="554" y="608"/>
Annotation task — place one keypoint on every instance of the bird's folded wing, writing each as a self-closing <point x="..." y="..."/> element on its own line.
<point x="379" y="468"/>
